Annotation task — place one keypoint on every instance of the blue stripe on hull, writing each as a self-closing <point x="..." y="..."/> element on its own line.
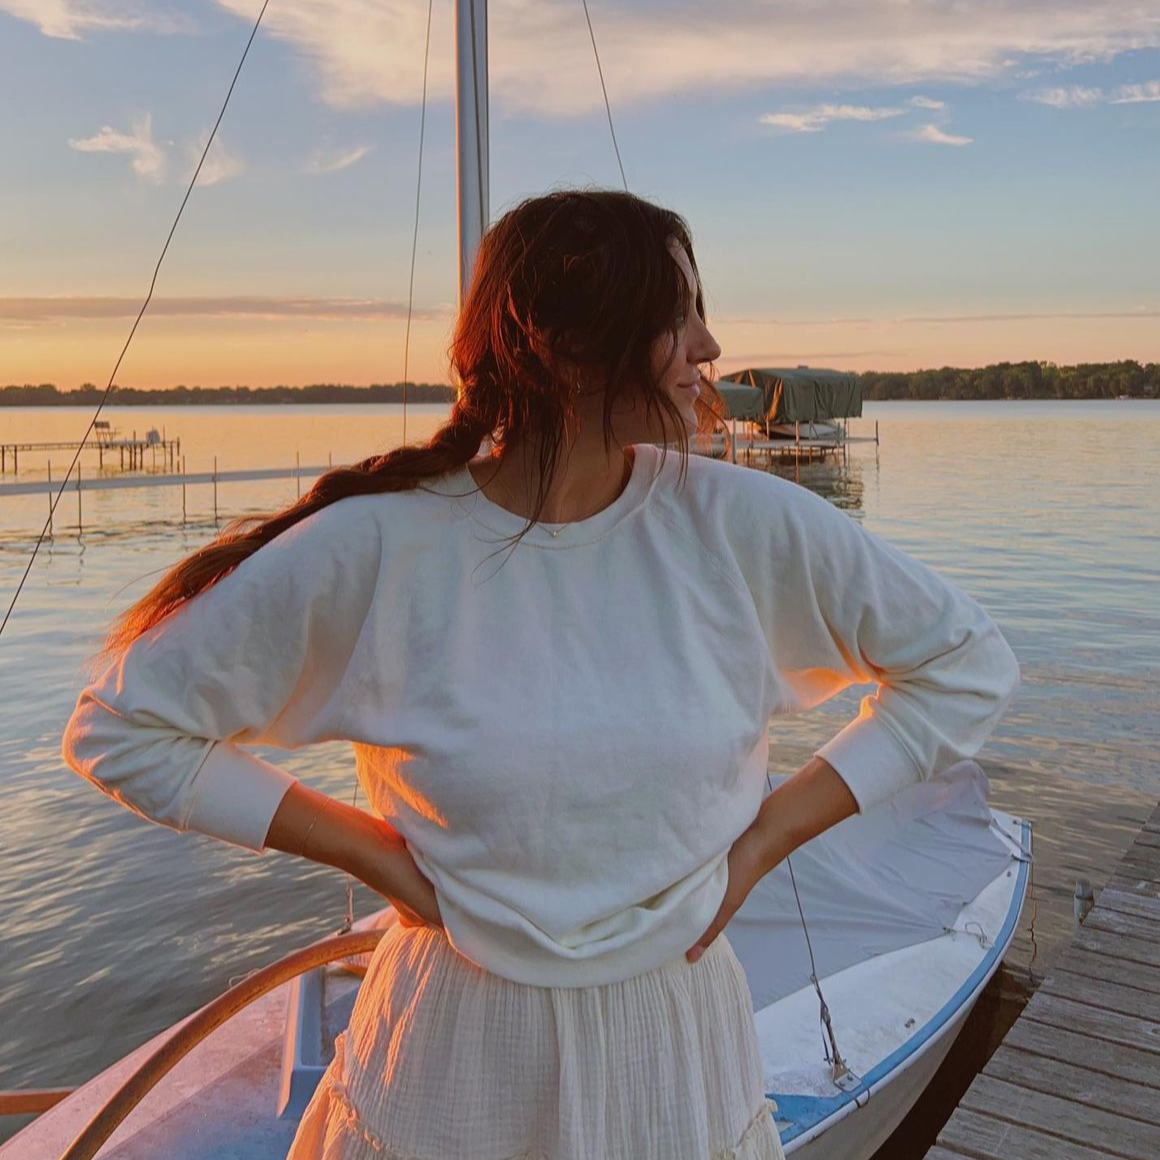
<point x="802" y="1113"/>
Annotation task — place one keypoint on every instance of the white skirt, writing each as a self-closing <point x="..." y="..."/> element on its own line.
<point x="446" y="1061"/>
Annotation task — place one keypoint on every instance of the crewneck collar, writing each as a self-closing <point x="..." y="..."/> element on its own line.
<point x="470" y="501"/>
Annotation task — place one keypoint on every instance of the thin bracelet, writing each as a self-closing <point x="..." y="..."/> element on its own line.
<point x="313" y="821"/>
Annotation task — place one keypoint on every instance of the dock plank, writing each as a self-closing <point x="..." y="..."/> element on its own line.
<point x="1053" y="1115"/>
<point x="1147" y="856"/>
<point x="1145" y="887"/>
<point x="1116" y="922"/>
<point x="1109" y="1025"/>
<point x="1074" y="1082"/>
<point x="1113" y="1059"/>
<point x="1135" y="903"/>
<point x="1117" y="946"/>
<point x="1104" y="994"/>
<point x="985" y="1138"/>
<point x="1089" y="966"/>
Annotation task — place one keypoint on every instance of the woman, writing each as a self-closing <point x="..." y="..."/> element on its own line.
<point x="556" y="660"/>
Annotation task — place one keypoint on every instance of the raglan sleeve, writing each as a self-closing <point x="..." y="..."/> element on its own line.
<point x="849" y="608"/>
<point x="261" y="657"/>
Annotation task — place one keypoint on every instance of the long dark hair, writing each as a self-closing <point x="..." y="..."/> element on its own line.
<point x="579" y="278"/>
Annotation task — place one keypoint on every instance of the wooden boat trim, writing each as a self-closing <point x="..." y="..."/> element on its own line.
<point x="201" y="1024"/>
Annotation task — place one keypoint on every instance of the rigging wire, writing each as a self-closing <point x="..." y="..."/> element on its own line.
<point x="604" y="90"/>
<point x="133" y="330"/>
<point x="415" y="237"/>
<point x="829" y="1050"/>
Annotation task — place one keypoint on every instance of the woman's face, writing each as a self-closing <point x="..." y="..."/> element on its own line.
<point x="676" y="365"/>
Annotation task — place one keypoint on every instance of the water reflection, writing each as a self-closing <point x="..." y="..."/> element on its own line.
<point x="115" y="928"/>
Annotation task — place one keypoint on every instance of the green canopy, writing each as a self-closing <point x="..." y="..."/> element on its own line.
<point x="801" y="395"/>
<point x="741" y="402"/>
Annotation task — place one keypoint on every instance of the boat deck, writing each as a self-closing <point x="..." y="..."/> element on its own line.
<point x="1078" y="1075"/>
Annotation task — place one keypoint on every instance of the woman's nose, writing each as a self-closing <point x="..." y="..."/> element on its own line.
<point x="707" y="349"/>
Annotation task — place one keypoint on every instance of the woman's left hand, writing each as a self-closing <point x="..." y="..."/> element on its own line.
<point x="748" y="864"/>
<point x="799" y="809"/>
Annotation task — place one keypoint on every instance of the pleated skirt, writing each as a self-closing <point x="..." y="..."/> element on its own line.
<point x="445" y="1061"/>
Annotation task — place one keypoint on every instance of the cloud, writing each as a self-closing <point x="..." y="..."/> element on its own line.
<point x="1140" y="313"/>
<point x="926" y="103"/>
<point x="816" y="119"/>
<point x="220" y="165"/>
<point x="742" y="320"/>
<point x="150" y="160"/>
<point x="68" y="19"/>
<point x="328" y="161"/>
<point x="148" y="156"/>
<point x="1077" y="97"/>
<point x="22" y="312"/>
<point x="1135" y="94"/>
<point x="795" y="357"/>
<point x="364" y="53"/>
<point x="933" y="135"/>
<point x="1073" y="97"/>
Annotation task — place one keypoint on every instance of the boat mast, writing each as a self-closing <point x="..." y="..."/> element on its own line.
<point x="471" y="132"/>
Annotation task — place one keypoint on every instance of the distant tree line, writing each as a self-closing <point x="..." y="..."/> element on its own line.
<point x="1022" y="380"/>
<point x="47" y="395"/>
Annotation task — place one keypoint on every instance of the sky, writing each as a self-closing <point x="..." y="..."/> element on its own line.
<point x="873" y="185"/>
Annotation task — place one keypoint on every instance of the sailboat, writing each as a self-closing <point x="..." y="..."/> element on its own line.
<point x="865" y="952"/>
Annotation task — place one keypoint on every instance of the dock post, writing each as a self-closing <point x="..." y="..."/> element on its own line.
<point x="215" y="507"/>
<point x="80" y="521"/>
<point x="875" y="432"/>
<point x="183" y="492"/>
<point x="50" y="499"/>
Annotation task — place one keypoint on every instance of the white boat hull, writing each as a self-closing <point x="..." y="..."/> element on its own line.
<point x="862" y="1133"/>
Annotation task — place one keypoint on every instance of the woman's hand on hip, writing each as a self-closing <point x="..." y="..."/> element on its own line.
<point x="311" y="825"/>
<point x="394" y="874"/>
<point x="747" y="866"/>
<point x="799" y="809"/>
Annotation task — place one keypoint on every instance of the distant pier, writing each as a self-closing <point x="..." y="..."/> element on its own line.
<point x="106" y="440"/>
<point x="77" y="484"/>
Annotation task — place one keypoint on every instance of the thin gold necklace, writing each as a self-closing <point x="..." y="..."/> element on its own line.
<point x="555" y="532"/>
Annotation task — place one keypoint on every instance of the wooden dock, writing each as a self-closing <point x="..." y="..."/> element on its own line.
<point x="1078" y="1075"/>
<point x="130" y="452"/>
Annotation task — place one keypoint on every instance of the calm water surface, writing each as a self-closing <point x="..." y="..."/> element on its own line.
<point x="113" y="928"/>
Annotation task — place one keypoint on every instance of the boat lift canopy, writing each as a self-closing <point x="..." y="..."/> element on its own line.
<point x="742" y="402"/>
<point x="800" y="395"/>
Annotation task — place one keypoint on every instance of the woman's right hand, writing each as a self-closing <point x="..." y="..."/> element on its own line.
<point x="311" y="825"/>
<point x="387" y="866"/>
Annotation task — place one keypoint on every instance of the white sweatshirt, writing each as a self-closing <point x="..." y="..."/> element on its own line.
<point x="570" y="735"/>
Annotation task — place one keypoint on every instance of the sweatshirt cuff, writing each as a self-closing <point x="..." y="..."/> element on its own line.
<point x="235" y="796"/>
<point x="871" y="761"/>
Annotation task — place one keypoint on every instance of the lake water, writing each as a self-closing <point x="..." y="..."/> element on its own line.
<point x="1045" y="512"/>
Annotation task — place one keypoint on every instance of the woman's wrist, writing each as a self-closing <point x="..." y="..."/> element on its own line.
<point x="312" y="825"/>
<point x="799" y="809"/>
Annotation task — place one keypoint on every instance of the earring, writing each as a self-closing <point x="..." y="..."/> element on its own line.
<point x="577" y="386"/>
